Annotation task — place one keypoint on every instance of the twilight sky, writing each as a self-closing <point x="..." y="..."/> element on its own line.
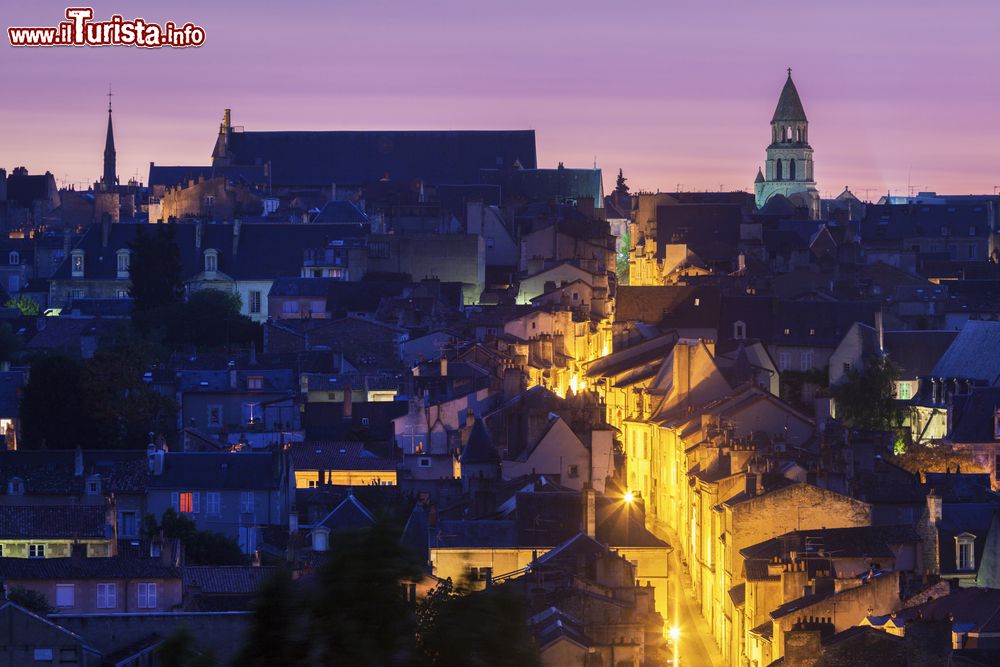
<point x="675" y="93"/>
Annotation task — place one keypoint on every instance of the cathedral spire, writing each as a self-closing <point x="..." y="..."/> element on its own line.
<point x="109" y="179"/>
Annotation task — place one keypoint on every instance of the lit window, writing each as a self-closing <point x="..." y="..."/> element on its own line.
<point x="788" y="332"/>
<point x="65" y="595"/>
<point x="147" y="595"/>
<point x="697" y="301"/>
<point x="188" y="502"/>
<point x="107" y="596"/>
<point x="904" y="391"/>
<point x="77" y="264"/>
<point x="36" y="551"/>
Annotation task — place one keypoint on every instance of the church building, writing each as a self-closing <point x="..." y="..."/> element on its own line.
<point x="789" y="169"/>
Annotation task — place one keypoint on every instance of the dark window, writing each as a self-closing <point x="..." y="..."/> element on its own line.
<point x="791" y="170"/>
<point x="777" y="170"/>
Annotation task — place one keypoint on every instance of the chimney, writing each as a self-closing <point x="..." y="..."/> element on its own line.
<point x="348" y="411"/>
<point x="105" y="229"/>
<point x="934" y="508"/>
<point x="320" y="538"/>
<point x="236" y="236"/>
<point x="233" y="377"/>
<point x="227" y="122"/>
<point x="682" y="368"/>
<point x="78" y="462"/>
<point x="198" y="228"/>
<point x="589" y="510"/>
<point x="154" y="457"/>
<point x="444" y="365"/>
<point x="751" y="484"/>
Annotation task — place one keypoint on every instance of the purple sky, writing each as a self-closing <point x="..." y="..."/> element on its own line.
<point x="675" y="93"/>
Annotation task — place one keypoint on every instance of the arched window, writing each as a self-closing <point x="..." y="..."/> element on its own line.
<point x="777" y="170"/>
<point x="788" y="133"/>
<point x="791" y="169"/>
<point x="14" y="258"/>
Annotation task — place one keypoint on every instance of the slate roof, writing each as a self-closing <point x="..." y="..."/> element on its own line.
<point x="819" y="323"/>
<point x="51" y="472"/>
<point x="896" y="222"/>
<point x="336" y="456"/>
<point x="973" y="354"/>
<point x="58" y="521"/>
<point x="472" y="534"/>
<point x="861" y="542"/>
<point x="23" y="189"/>
<point x="789" y="105"/>
<point x="265" y="250"/>
<point x="979" y="607"/>
<point x="976" y="418"/>
<point x="553" y="624"/>
<point x="64" y="332"/>
<point x="957" y="518"/>
<point x="227" y="579"/>
<point x="711" y="231"/>
<point x="916" y="352"/>
<point x="355" y="158"/>
<point x="479" y="448"/>
<point x="14" y="569"/>
<point x="341" y="297"/>
<point x="340" y="212"/>
<point x="217" y="470"/>
<point x="348" y="515"/>
<point x="546" y="184"/>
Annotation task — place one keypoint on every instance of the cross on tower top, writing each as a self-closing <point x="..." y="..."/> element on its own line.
<point x="789" y="72"/>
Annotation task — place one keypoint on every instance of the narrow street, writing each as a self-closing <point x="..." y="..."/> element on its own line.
<point x="696" y="646"/>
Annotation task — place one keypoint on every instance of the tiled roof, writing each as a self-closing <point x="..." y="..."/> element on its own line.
<point x="14" y="569"/>
<point x="227" y="579"/>
<point x="58" y="521"/>
<point x="52" y="472"/>
<point x="859" y="542"/>
<point x="976" y="420"/>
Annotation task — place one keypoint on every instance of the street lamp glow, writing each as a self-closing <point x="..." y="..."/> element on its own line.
<point x="629" y="497"/>
<point x="675" y="633"/>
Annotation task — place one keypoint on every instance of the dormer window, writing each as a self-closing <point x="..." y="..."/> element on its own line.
<point x="124" y="262"/>
<point x="255" y="382"/>
<point x="14" y="258"/>
<point x="76" y="263"/>
<point x="15" y="486"/>
<point x="211" y="260"/>
<point x="739" y="330"/>
<point x="965" y="552"/>
<point x="94" y="485"/>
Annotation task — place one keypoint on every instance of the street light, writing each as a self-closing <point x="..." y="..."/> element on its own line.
<point x="675" y="635"/>
<point x="629" y="497"/>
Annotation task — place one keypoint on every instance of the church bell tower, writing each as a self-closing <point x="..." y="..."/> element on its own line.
<point x="789" y="168"/>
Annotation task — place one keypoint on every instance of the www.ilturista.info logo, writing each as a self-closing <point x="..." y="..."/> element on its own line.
<point x="80" y="30"/>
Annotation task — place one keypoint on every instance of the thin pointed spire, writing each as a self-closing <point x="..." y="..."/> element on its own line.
<point x="110" y="177"/>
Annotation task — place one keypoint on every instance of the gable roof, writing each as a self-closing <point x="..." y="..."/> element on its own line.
<point x="355" y="158"/>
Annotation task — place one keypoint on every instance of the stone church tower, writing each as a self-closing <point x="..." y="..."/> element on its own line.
<point x="789" y="170"/>
<point x="109" y="179"/>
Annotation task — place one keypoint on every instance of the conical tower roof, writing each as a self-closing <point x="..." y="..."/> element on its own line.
<point x="479" y="448"/>
<point x="760" y="176"/>
<point x="789" y="105"/>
